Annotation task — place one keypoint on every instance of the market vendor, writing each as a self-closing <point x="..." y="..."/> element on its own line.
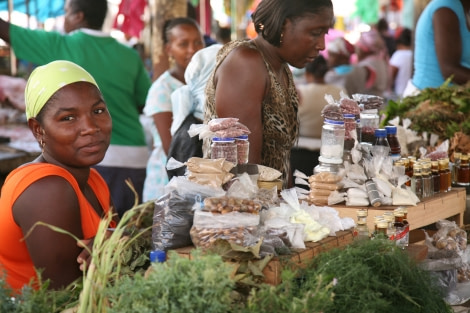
<point x="121" y="75"/>
<point x="252" y="80"/>
<point x="70" y="120"/>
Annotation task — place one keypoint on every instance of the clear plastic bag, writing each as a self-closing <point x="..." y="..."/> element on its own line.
<point x="235" y="227"/>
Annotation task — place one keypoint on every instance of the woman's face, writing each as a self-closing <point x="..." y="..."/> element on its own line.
<point x="304" y="38"/>
<point x="76" y="126"/>
<point x="185" y="41"/>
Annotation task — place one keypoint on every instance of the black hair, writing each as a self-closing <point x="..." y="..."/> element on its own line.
<point x="317" y="67"/>
<point x="191" y="10"/>
<point x="172" y="23"/>
<point x="94" y="11"/>
<point x="382" y="25"/>
<point x="404" y="37"/>
<point x="270" y="15"/>
<point x="224" y="34"/>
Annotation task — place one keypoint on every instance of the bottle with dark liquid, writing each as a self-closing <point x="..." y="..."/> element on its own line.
<point x="443" y="176"/>
<point x="428" y="188"/>
<point x="456" y="166"/>
<point x="463" y="172"/>
<point x="400" y="229"/>
<point x="417" y="181"/>
<point x="435" y="177"/>
<point x="395" y="149"/>
<point x="369" y="123"/>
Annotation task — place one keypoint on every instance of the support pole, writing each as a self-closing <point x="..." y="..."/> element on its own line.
<point x="13" y="69"/>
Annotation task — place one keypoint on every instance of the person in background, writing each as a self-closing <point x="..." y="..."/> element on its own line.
<point x="190" y="98"/>
<point x="401" y="62"/>
<point x="388" y="38"/>
<point x="341" y="72"/>
<point x="68" y="115"/>
<point x="121" y="75"/>
<point x="224" y="35"/>
<point x="304" y="155"/>
<point x="188" y="108"/>
<point x="372" y="54"/>
<point x="252" y="80"/>
<point x="182" y="38"/>
<point x="442" y="45"/>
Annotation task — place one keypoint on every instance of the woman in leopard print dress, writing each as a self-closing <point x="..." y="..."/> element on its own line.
<point x="252" y="80"/>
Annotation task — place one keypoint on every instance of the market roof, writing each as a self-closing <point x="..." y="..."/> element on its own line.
<point x="41" y="9"/>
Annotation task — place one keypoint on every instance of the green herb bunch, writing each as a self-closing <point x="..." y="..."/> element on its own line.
<point x="202" y="284"/>
<point x="41" y="300"/>
<point x="287" y="297"/>
<point x="374" y="276"/>
<point x="442" y="111"/>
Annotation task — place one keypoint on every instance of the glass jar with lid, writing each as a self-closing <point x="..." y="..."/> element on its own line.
<point x="328" y="167"/>
<point x="224" y="148"/>
<point x="350" y="131"/>
<point x="332" y="142"/>
<point x="243" y="148"/>
<point x="369" y="123"/>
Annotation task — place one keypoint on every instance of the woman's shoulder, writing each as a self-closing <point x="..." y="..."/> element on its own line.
<point x="38" y="176"/>
<point x="239" y="49"/>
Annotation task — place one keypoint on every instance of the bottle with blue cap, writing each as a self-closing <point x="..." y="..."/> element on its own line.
<point x="158" y="256"/>
<point x="381" y="142"/>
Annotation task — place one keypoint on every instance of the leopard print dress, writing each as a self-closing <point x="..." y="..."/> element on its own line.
<point x="279" y="114"/>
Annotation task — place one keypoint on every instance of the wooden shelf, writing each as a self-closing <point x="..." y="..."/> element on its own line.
<point x="448" y="205"/>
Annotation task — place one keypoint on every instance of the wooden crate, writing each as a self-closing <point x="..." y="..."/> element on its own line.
<point x="272" y="272"/>
<point x="301" y="257"/>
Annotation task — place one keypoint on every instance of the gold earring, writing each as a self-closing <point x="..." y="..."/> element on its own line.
<point x="171" y="61"/>
<point x="42" y="144"/>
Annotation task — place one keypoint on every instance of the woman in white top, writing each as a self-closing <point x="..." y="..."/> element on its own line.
<point x="401" y="62"/>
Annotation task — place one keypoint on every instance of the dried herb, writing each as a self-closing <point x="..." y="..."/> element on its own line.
<point x="375" y="276"/>
<point x="442" y="111"/>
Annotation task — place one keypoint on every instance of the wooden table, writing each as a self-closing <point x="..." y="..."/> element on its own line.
<point x="449" y="205"/>
<point x="21" y="149"/>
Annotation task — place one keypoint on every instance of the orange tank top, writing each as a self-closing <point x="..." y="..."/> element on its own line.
<point x="14" y="255"/>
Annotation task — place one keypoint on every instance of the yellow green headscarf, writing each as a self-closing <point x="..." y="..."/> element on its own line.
<point x="45" y="80"/>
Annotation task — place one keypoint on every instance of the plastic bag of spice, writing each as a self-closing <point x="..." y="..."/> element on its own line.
<point x="174" y="212"/>
<point x="234" y="227"/>
<point x="172" y="221"/>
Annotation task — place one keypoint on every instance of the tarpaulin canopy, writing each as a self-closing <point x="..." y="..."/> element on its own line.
<point x="40" y="9"/>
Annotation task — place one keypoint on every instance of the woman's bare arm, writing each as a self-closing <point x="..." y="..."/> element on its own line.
<point x="241" y="85"/>
<point x="51" y="251"/>
<point x="449" y="45"/>
<point x="163" y="123"/>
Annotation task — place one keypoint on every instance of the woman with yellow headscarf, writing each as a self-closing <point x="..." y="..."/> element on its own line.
<point x="69" y="118"/>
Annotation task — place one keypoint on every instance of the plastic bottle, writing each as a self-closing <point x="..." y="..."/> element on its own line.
<point x="395" y="149"/>
<point x="158" y="256"/>
<point x="381" y="146"/>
